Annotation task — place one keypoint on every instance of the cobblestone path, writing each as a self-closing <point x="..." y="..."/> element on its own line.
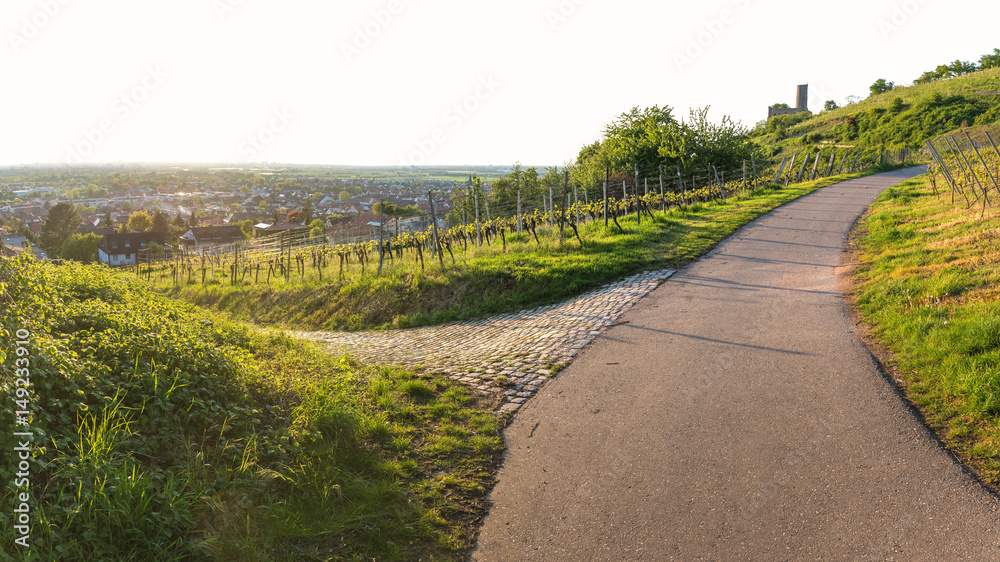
<point x="512" y="354"/>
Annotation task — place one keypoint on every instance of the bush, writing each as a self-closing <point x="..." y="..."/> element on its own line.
<point x="81" y="247"/>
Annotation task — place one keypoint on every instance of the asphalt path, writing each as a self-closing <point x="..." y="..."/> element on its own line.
<point x="737" y="415"/>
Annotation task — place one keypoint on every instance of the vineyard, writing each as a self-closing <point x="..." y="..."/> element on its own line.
<point x="969" y="164"/>
<point x="481" y="224"/>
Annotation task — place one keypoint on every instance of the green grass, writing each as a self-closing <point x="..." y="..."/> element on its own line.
<point x="167" y="433"/>
<point x="489" y="280"/>
<point x="930" y="286"/>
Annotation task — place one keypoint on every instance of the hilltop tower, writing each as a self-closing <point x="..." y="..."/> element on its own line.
<point x="801" y="103"/>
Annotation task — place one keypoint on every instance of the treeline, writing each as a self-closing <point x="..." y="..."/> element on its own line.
<point x="653" y="138"/>
<point x="641" y="143"/>
<point x="960" y="68"/>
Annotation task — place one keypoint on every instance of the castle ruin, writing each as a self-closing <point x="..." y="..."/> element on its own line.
<point x="801" y="104"/>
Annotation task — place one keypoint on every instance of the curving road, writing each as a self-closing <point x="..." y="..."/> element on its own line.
<point x="737" y="416"/>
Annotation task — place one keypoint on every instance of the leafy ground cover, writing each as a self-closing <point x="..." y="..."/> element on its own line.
<point x="163" y="432"/>
<point x="490" y="280"/>
<point x="929" y="284"/>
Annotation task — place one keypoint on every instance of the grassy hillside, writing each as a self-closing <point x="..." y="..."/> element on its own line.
<point x="929" y="285"/>
<point x="161" y="432"/>
<point x="904" y="117"/>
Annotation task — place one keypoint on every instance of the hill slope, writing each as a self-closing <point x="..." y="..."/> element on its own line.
<point x="904" y="117"/>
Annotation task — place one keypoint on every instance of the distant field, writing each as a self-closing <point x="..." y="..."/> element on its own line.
<point x="60" y="176"/>
<point x="456" y="174"/>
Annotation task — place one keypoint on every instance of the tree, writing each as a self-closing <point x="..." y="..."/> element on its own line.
<point x="246" y="226"/>
<point x="138" y="221"/>
<point x="990" y="61"/>
<point x="307" y="212"/>
<point x="295" y="217"/>
<point x="503" y="191"/>
<point x="590" y="168"/>
<point x="961" y="68"/>
<point x="344" y="196"/>
<point x="636" y="137"/>
<point x="107" y="222"/>
<point x="155" y="250"/>
<point x="193" y="221"/>
<point x="881" y="86"/>
<point x="61" y="223"/>
<point x="697" y="142"/>
<point x="318" y="227"/>
<point x="830" y="105"/>
<point x="161" y="222"/>
<point x="81" y="248"/>
<point x="781" y="106"/>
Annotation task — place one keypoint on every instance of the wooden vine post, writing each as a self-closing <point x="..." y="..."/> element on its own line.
<point x="434" y="222"/>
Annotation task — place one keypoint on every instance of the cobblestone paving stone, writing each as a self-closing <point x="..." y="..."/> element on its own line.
<point x="510" y="354"/>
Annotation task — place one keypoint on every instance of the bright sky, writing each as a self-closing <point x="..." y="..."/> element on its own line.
<point x="442" y="82"/>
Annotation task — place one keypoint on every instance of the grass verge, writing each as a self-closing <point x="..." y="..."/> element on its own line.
<point x="928" y="285"/>
<point x="162" y="432"/>
<point x="489" y="280"/>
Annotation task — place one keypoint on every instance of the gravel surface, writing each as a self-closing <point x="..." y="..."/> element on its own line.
<point x="512" y="354"/>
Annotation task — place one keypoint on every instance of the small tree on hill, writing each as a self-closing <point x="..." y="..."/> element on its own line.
<point x="991" y="60"/>
<point x="881" y="86"/>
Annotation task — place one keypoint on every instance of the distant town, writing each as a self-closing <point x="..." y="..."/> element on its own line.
<point x="193" y="209"/>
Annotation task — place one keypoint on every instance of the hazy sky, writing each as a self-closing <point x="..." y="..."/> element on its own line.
<point x="392" y="82"/>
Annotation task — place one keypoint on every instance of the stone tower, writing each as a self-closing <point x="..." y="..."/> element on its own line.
<point x="801" y="103"/>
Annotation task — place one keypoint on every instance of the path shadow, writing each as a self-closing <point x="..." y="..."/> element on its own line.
<point x="745" y="286"/>
<point x="724" y="342"/>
